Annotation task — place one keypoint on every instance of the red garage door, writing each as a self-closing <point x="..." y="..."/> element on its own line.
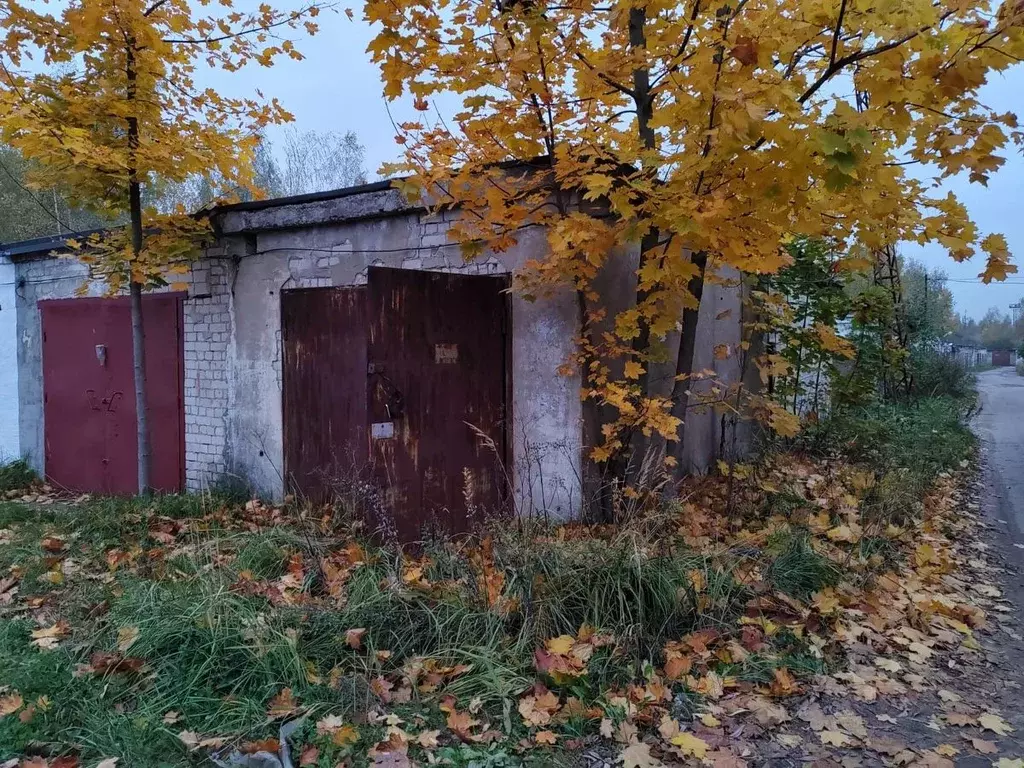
<point x="88" y="393"/>
<point x="324" y="402"/>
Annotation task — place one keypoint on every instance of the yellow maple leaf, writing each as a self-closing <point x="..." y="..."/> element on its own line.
<point x="690" y="745"/>
<point x="560" y="645"/>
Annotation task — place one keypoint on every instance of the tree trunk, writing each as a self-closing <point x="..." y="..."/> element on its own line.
<point x="644" y="115"/>
<point x="135" y="287"/>
<point x="684" y="358"/>
<point x="139" y="367"/>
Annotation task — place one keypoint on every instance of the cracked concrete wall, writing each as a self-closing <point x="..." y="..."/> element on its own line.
<point x="545" y="406"/>
<point x="233" y="344"/>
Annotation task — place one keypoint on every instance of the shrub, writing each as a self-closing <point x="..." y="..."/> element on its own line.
<point x="938" y="375"/>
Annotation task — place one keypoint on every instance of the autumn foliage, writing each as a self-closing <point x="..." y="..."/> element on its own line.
<point x="102" y="98"/>
<point x="693" y="140"/>
<point x="74" y="82"/>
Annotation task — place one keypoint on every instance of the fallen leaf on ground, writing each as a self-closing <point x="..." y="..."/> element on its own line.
<point x="310" y="755"/>
<point x="932" y="760"/>
<point x="52" y="544"/>
<point x="813" y="716"/>
<point x="10" y="703"/>
<point x="460" y="724"/>
<point x="690" y="745"/>
<point x="560" y="645"/>
<point x="985" y="747"/>
<point x="263" y="745"/>
<point x="766" y="713"/>
<point x="345" y="735"/>
<point x="428" y="739"/>
<point x="282" y="705"/>
<point x="639" y="755"/>
<point x="126" y="636"/>
<point x="993" y="722"/>
<point x="194" y="741"/>
<point x="960" y="719"/>
<point x="886" y="746"/>
<point x="835" y="738"/>
<point x="48" y="638"/>
<point x="354" y="638"/>
<point x="545" y="737"/>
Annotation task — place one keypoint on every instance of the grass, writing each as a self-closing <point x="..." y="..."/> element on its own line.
<point x="228" y="605"/>
<point x="16" y="475"/>
<point x="797" y="569"/>
<point x="217" y="655"/>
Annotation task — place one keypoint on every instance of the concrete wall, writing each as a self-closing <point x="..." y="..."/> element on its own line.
<point x="47" y="278"/>
<point x="10" y="439"/>
<point x="233" y="349"/>
<point x="545" y="406"/>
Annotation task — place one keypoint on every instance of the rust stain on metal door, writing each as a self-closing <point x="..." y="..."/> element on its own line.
<point x="437" y="373"/>
<point x="324" y="380"/>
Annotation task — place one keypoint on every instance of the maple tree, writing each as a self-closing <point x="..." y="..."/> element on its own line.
<point x="694" y="140"/>
<point x="102" y="98"/>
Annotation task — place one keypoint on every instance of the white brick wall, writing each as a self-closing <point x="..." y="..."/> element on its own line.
<point x="207" y="346"/>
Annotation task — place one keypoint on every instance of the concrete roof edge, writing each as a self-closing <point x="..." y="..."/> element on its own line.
<point x="376" y="201"/>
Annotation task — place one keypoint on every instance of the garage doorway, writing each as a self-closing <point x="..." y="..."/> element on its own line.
<point x="89" y="416"/>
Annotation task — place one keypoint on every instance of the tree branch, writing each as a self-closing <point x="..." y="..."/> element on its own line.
<point x="240" y="33"/>
<point x="154" y="7"/>
<point x="835" y="35"/>
<point x="860" y="55"/>
<point x="678" y="59"/>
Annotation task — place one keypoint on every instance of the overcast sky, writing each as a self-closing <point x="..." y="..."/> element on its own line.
<point x="337" y="88"/>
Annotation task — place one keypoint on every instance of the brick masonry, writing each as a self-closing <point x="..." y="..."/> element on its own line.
<point x="207" y="349"/>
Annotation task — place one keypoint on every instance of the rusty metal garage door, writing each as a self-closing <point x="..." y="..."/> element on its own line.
<point x="324" y="382"/>
<point x="437" y="365"/>
<point x="89" y="393"/>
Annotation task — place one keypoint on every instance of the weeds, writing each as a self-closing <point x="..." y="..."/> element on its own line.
<point x="213" y="607"/>
<point x="16" y="475"/>
<point x="797" y="569"/>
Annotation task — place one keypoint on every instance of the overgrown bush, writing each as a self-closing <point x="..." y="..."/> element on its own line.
<point x="938" y="375"/>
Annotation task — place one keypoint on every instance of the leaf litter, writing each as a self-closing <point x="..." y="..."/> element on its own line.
<point x="790" y="675"/>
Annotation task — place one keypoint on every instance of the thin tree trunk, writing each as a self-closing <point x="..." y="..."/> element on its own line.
<point x="139" y="367"/>
<point x="685" y="355"/>
<point x="644" y="115"/>
<point x="135" y="288"/>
